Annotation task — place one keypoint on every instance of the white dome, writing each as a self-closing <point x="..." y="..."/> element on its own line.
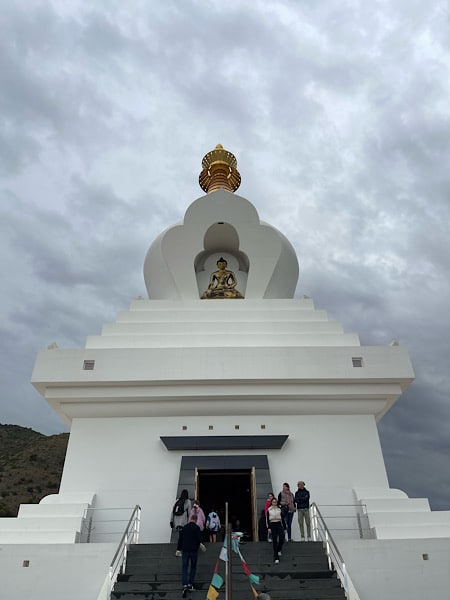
<point x="221" y="224"/>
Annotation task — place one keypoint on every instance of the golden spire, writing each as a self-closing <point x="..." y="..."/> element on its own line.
<point x="219" y="171"/>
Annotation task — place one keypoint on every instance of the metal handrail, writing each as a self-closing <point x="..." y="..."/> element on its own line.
<point x="340" y="522"/>
<point x="91" y="522"/>
<point x="130" y="536"/>
<point x="335" y="560"/>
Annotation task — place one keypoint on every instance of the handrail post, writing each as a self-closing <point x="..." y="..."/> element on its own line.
<point x="314" y="523"/>
<point x="128" y="537"/>
<point x="228" y="577"/>
<point x="327" y="547"/>
<point x="110" y="578"/>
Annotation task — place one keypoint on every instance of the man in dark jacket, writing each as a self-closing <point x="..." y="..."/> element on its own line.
<point x="301" y="500"/>
<point x="190" y="540"/>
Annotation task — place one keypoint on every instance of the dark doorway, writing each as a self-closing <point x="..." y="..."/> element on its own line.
<point x="216" y="487"/>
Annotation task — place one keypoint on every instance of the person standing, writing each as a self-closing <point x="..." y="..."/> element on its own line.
<point x="276" y="526"/>
<point x="180" y="515"/>
<point x="198" y="512"/>
<point x="190" y="541"/>
<point x="301" y="499"/>
<point x="286" y="501"/>
<point x="266" y="508"/>
<point x="213" y="524"/>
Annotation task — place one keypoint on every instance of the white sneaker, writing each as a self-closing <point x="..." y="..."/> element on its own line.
<point x="279" y="553"/>
<point x="277" y="562"/>
<point x="178" y="553"/>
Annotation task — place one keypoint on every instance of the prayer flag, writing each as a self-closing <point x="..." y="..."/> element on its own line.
<point x="245" y="567"/>
<point x="253" y="578"/>
<point x="217" y="581"/>
<point x="212" y="593"/>
<point x="224" y="554"/>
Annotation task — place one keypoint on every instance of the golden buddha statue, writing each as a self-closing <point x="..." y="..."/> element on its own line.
<point x="222" y="283"/>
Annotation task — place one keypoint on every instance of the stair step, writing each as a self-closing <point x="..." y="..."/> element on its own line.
<point x="135" y="587"/>
<point x="334" y="594"/>
<point x="153" y="572"/>
<point x="273" y="581"/>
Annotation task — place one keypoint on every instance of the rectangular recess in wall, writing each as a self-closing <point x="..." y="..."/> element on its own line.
<point x="357" y="361"/>
<point x="88" y="365"/>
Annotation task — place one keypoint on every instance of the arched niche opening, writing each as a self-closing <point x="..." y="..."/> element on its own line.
<point x="221" y="240"/>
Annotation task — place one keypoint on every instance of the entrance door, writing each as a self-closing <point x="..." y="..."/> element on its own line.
<point x="237" y="487"/>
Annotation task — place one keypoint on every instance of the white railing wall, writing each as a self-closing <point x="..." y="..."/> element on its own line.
<point x="346" y="521"/>
<point x="130" y="536"/>
<point x="104" y="524"/>
<point x="321" y="533"/>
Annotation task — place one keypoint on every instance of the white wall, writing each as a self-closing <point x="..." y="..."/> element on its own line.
<point x="55" y="572"/>
<point x="396" y="570"/>
<point x="124" y="461"/>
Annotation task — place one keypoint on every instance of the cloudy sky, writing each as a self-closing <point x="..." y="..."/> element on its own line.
<point x="339" y="116"/>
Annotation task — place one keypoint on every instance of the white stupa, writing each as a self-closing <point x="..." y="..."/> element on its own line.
<point x="223" y="383"/>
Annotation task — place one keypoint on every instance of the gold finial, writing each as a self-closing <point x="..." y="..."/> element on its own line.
<point x="219" y="171"/>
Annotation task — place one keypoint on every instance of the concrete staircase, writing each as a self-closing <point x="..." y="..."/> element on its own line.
<point x="154" y="573"/>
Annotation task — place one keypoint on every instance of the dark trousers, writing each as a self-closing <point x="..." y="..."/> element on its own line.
<point x="187" y="575"/>
<point x="277" y="538"/>
<point x="288" y="518"/>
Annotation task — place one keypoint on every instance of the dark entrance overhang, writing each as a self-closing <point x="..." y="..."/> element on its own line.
<point x="224" y="442"/>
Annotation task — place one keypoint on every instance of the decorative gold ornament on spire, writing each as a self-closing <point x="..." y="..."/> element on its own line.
<point x="219" y="171"/>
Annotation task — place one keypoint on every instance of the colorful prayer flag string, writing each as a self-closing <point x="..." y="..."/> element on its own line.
<point x="217" y="580"/>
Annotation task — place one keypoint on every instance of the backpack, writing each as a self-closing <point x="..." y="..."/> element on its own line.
<point x="213" y="522"/>
<point x="178" y="508"/>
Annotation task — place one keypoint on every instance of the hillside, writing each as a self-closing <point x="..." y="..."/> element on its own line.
<point x="31" y="465"/>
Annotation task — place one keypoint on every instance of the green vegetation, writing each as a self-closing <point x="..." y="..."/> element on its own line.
<point x="31" y="465"/>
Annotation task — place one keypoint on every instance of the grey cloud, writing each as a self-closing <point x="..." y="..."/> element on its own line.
<point x="338" y="116"/>
<point x="17" y="149"/>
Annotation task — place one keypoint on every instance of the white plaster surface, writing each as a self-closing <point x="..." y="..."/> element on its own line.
<point x="375" y="492"/>
<point x="55" y="572"/>
<point x="396" y="570"/>
<point x="127" y="462"/>
<point x="253" y="350"/>
<point x="396" y="504"/>
<point x="51" y="510"/>
<point x="169" y="268"/>
<point x="420" y="529"/>
<point x="22" y="534"/>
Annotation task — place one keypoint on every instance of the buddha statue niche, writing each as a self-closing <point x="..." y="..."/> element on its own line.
<point x="222" y="283"/>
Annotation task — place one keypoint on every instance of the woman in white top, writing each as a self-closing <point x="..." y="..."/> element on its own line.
<point x="180" y="511"/>
<point x="180" y="516"/>
<point x="276" y="526"/>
